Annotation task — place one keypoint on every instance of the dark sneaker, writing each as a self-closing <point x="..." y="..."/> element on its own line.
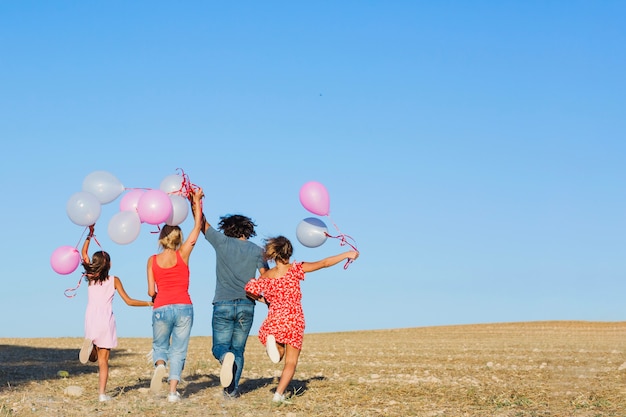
<point x="232" y="394"/>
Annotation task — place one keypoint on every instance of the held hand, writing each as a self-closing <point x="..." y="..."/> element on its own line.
<point x="351" y="256"/>
<point x="196" y="197"/>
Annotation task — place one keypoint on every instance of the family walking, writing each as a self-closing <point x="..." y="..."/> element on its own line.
<point x="243" y="276"/>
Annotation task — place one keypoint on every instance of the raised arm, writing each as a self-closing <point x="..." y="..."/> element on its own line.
<point x="330" y="261"/>
<point x="204" y="223"/>
<point x="127" y="299"/>
<point x="192" y="237"/>
<point x="85" y="250"/>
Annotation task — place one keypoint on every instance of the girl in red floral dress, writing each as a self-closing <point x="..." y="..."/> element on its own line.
<point x="283" y="329"/>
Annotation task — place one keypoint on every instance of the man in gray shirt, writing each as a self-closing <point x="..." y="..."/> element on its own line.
<point x="237" y="261"/>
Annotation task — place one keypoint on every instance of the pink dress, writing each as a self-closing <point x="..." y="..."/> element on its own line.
<point x="285" y="317"/>
<point x="99" y="319"/>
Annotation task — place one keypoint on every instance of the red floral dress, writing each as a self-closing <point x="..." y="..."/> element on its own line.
<point x="285" y="317"/>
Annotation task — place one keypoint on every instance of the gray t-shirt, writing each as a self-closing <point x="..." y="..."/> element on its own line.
<point x="237" y="261"/>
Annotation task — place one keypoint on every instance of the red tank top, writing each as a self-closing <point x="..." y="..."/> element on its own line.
<point x="172" y="284"/>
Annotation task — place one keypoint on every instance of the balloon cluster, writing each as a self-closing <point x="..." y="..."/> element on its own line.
<point x="138" y="205"/>
<point x="312" y="232"/>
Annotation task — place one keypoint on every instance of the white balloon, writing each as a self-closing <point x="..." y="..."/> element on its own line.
<point x="83" y="208"/>
<point x="311" y="232"/>
<point x="124" y="227"/>
<point x="180" y="210"/>
<point x="104" y="185"/>
<point x="172" y="184"/>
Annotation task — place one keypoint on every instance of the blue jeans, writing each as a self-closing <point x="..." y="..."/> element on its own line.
<point x="172" y="322"/>
<point x="232" y="321"/>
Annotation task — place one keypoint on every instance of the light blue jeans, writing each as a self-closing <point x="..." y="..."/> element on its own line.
<point x="232" y="321"/>
<point x="171" y="328"/>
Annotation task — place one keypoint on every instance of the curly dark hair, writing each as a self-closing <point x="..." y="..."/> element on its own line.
<point x="98" y="269"/>
<point x="236" y="225"/>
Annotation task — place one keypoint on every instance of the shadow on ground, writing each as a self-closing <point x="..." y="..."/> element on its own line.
<point x="197" y="383"/>
<point x="21" y="364"/>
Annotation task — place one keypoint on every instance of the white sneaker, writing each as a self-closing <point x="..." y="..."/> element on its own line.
<point x="85" y="351"/>
<point x="104" y="398"/>
<point x="157" y="378"/>
<point x="271" y="349"/>
<point x="226" y="373"/>
<point x="173" y="397"/>
<point x="279" y="399"/>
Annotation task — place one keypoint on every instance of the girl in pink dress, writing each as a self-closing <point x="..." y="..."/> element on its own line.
<point x="279" y="287"/>
<point x="100" y="331"/>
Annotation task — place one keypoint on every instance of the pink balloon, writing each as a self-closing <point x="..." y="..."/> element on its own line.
<point x="130" y="200"/>
<point x="65" y="260"/>
<point x="154" y="207"/>
<point x="314" y="198"/>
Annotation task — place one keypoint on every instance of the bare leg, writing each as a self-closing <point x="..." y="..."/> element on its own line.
<point x="103" y="367"/>
<point x="173" y="385"/>
<point x="281" y="349"/>
<point x="291" y="361"/>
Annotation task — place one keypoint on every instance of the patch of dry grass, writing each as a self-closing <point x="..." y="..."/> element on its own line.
<point x="535" y="369"/>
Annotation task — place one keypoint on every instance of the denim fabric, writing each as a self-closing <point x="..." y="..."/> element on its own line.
<point x="173" y="322"/>
<point x="232" y="321"/>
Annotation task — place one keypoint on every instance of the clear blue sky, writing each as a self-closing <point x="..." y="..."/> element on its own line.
<point x="473" y="149"/>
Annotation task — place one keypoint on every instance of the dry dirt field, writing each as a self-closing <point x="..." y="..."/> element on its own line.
<point x="509" y="369"/>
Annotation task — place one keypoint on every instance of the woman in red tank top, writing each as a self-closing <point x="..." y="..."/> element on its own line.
<point x="172" y="314"/>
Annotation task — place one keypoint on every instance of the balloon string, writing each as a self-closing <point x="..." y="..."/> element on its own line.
<point x="343" y="241"/>
<point x="187" y="187"/>
<point x="93" y="237"/>
<point x="71" y="292"/>
<point x="96" y="240"/>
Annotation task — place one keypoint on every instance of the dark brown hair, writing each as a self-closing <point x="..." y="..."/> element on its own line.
<point x="236" y="225"/>
<point x="98" y="269"/>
